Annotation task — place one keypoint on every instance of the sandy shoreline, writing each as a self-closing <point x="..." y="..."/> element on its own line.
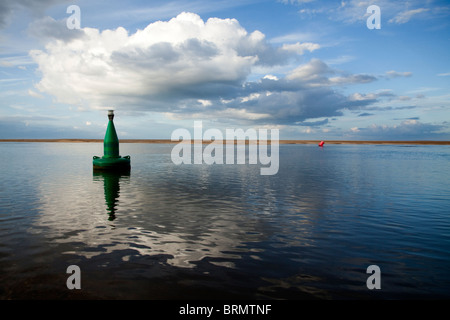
<point x="418" y="142"/>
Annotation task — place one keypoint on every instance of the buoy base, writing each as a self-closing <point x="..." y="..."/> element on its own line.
<point x="111" y="164"/>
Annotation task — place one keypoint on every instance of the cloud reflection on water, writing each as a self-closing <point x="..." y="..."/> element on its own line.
<point x="186" y="212"/>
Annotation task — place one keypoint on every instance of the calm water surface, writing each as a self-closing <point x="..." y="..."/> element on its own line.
<point x="224" y="231"/>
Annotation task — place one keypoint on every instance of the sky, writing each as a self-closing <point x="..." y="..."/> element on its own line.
<point x="312" y="69"/>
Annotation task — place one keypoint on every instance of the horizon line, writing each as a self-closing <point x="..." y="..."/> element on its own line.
<point x="284" y="141"/>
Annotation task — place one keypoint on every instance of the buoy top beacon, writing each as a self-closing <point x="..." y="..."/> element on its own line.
<point x="111" y="159"/>
<point x="321" y="143"/>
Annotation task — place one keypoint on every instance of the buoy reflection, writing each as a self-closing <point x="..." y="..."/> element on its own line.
<point x="111" y="184"/>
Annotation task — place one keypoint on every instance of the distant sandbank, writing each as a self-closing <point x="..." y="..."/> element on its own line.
<point x="418" y="142"/>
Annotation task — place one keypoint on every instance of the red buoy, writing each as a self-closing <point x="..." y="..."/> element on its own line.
<point x="321" y="143"/>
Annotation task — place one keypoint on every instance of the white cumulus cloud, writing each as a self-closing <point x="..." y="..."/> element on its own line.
<point x="184" y="56"/>
<point x="187" y="67"/>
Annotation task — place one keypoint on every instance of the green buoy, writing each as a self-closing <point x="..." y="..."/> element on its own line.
<point x="111" y="159"/>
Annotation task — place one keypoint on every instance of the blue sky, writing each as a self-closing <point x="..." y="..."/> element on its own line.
<point x="312" y="69"/>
